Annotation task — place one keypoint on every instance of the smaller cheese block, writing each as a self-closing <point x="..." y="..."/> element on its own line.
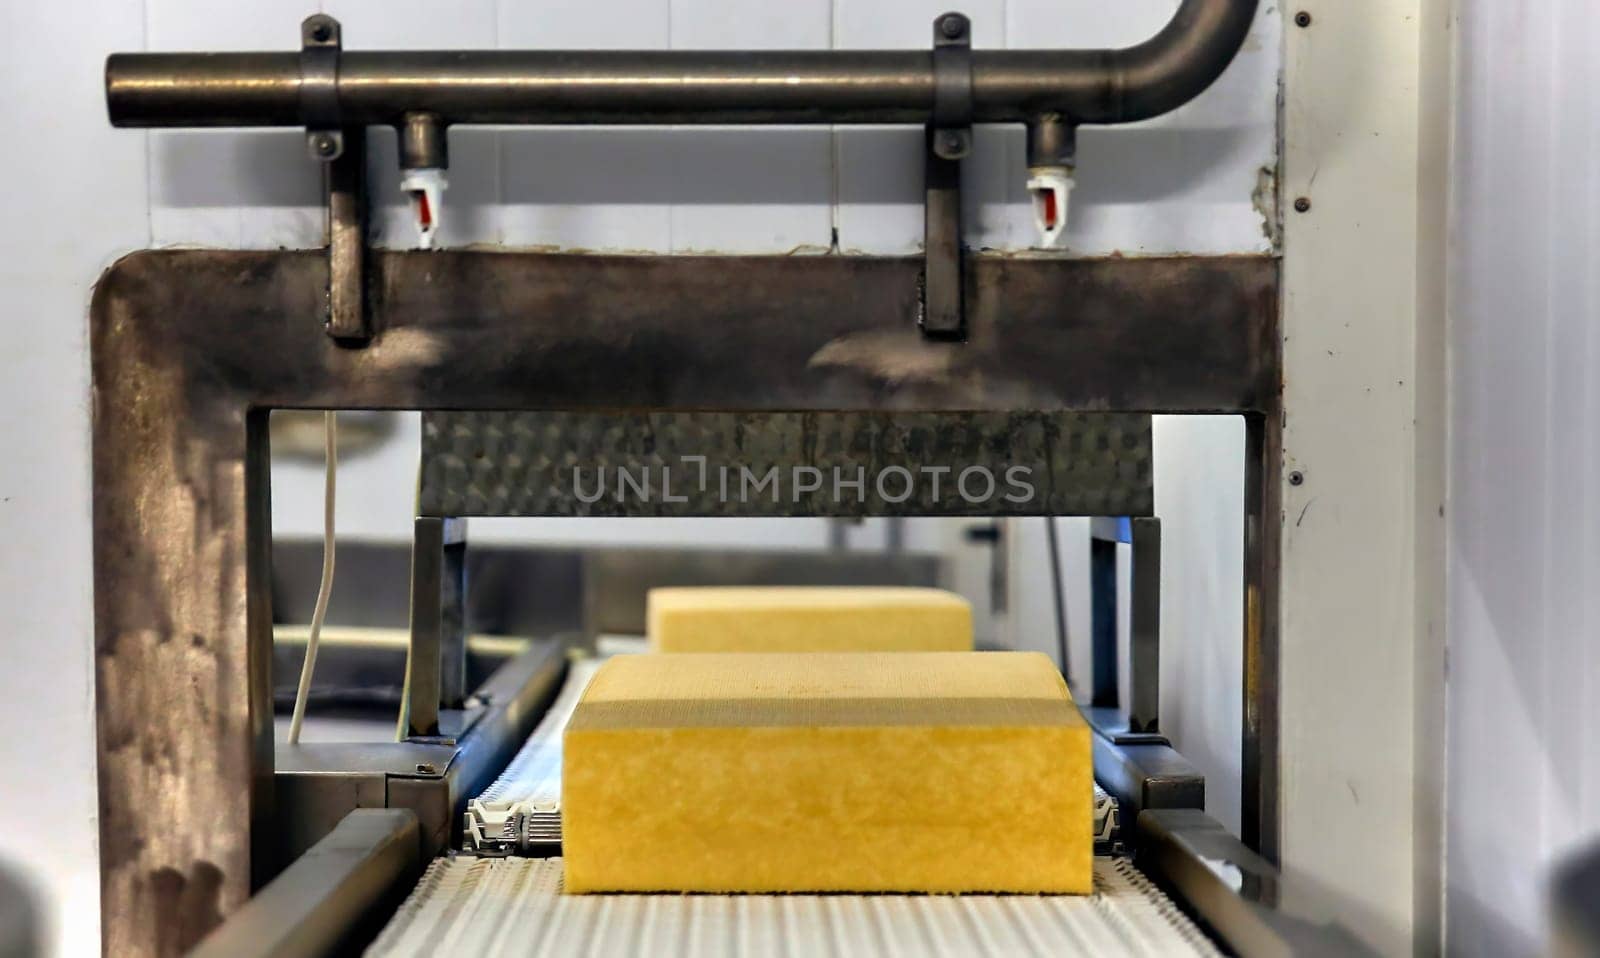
<point x="934" y="772"/>
<point x="808" y="619"/>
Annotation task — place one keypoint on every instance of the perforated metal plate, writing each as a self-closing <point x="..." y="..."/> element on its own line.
<point x="777" y="464"/>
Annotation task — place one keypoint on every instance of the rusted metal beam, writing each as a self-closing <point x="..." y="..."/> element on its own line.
<point x="506" y="330"/>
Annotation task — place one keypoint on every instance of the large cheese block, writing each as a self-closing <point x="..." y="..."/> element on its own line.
<point x="828" y="772"/>
<point x="808" y="619"/>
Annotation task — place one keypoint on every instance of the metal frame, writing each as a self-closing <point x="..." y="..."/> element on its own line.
<point x="1145" y="774"/>
<point x="347" y="883"/>
<point x="1259" y="810"/>
<point x="1235" y="893"/>
<point x="335" y="96"/>
<point x="317" y="784"/>
<point x="191" y="349"/>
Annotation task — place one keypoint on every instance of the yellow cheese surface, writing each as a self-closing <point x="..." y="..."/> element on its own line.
<point x="847" y="772"/>
<point x="808" y="619"/>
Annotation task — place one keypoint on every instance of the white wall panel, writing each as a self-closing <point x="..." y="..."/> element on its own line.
<point x="1199" y="475"/>
<point x="1032" y="613"/>
<point x="1524" y="511"/>
<point x="377" y="489"/>
<point x="1353" y="616"/>
<point x="908" y="24"/>
<point x="235" y="189"/>
<point x="1183" y="182"/>
<point x="751" y="189"/>
<point x="77" y="201"/>
<point x="586" y="188"/>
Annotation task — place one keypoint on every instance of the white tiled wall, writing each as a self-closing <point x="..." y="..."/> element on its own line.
<point x="1182" y="183"/>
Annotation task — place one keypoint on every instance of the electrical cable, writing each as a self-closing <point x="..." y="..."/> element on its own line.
<point x="1060" y="596"/>
<point x="330" y="428"/>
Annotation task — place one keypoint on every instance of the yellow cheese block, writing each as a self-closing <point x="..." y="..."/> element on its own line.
<point x="808" y="619"/>
<point x="828" y="772"/>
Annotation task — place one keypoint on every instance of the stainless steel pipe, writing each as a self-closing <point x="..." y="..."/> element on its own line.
<point x="683" y="87"/>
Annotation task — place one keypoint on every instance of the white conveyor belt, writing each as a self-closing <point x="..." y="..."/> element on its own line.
<point x="487" y="907"/>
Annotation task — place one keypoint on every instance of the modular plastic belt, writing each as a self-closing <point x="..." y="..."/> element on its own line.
<point x="488" y="907"/>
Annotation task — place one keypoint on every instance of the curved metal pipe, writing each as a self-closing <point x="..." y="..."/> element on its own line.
<point x="684" y="87"/>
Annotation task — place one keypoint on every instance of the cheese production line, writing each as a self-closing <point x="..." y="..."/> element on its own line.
<point x="526" y="364"/>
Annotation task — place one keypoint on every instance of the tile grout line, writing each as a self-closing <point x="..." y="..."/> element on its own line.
<point x="834" y="146"/>
<point x="672" y="206"/>
<point x="149" y="147"/>
<point x="499" y="230"/>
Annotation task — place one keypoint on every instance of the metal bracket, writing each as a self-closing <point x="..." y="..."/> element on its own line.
<point x="346" y="317"/>
<point x="345" y="154"/>
<point x="321" y="40"/>
<point x="949" y="139"/>
<point x="438" y="660"/>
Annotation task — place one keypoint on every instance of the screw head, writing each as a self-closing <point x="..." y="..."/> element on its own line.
<point x="952" y="25"/>
<point x="1302" y="19"/>
<point x="323" y="144"/>
<point x="321" y="32"/>
<point x="950" y="141"/>
<point x="1302" y="204"/>
<point x="1297" y="478"/>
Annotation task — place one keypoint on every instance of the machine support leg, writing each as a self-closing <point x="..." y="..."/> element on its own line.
<point x="1144" y="664"/>
<point x="347" y="241"/>
<point x="1103" y="616"/>
<point x="949" y="140"/>
<point x="437" y="664"/>
<point x="453" y="616"/>
<point x="1262" y="552"/>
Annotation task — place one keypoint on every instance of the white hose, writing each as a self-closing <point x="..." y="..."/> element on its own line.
<point x="402" y="726"/>
<point x="331" y="454"/>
